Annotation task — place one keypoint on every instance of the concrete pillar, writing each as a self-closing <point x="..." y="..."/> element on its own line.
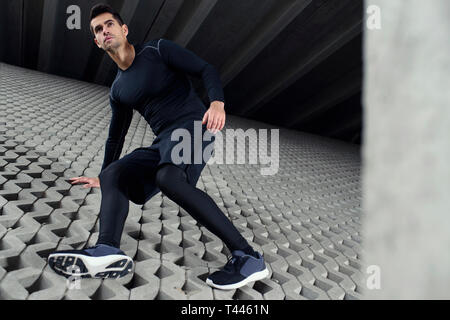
<point x="406" y="149"/>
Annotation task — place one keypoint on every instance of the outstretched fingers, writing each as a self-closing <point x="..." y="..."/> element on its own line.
<point x="85" y="180"/>
<point x="78" y="180"/>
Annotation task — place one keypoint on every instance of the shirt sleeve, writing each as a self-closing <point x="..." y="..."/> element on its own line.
<point x="182" y="59"/>
<point x="118" y="128"/>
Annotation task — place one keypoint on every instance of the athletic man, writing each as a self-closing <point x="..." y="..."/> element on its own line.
<point x="151" y="79"/>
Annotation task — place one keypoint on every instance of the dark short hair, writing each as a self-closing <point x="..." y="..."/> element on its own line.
<point x="100" y="8"/>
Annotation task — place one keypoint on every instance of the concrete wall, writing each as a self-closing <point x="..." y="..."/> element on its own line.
<point x="406" y="156"/>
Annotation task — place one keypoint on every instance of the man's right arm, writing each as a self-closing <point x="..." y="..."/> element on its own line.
<point x="118" y="128"/>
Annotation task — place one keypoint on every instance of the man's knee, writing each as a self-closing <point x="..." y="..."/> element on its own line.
<point x="113" y="173"/>
<point x="168" y="177"/>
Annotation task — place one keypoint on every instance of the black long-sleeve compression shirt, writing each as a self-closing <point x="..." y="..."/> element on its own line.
<point x="157" y="86"/>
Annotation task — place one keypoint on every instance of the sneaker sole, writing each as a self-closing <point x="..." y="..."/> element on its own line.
<point x="78" y="265"/>
<point x="254" y="277"/>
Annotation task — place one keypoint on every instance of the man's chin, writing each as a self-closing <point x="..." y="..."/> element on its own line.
<point x="108" y="47"/>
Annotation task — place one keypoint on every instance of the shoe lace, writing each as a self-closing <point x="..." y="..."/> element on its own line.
<point x="92" y="247"/>
<point x="232" y="263"/>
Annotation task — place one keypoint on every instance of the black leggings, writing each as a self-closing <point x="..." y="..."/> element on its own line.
<point x="172" y="181"/>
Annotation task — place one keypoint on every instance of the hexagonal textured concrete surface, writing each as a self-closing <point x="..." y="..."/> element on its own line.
<point x="305" y="219"/>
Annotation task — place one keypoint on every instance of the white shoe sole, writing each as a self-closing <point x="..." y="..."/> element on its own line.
<point x="254" y="277"/>
<point x="78" y="265"/>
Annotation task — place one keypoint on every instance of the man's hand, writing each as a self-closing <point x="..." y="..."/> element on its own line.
<point x="215" y="116"/>
<point x="89" y="182"/>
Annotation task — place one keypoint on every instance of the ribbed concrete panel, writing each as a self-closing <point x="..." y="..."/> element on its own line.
<point x="406" y="177"/>
<point x="305" y="219"/>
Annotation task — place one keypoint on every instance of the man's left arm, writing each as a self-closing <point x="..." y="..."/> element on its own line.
<point x="185" y="60"/>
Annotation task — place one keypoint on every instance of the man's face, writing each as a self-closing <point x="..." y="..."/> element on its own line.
<point x="109" y="34"/>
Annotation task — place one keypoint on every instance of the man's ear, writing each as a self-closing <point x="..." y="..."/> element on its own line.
<point x="125" y="29"/>
<point x="96" y="42"/>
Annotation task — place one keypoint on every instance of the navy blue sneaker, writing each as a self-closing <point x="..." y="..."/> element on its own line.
<point x="240" y="270"/>
<point x="99" y="261"/>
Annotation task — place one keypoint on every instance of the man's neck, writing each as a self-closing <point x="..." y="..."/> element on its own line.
<point x="123" y="56"/>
